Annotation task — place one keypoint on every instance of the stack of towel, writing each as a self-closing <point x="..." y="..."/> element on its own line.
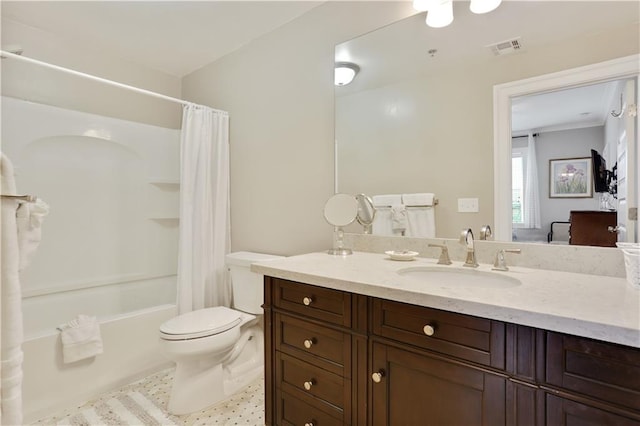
<point x="391" y="215"/>
<point x="80" y="338"/>
<point x="412" y="215"/>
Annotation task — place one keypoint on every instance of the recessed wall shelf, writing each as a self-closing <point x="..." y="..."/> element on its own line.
<point x="164" y="181"/>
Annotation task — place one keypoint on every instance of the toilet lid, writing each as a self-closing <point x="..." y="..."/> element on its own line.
<point x="200" y="323"/>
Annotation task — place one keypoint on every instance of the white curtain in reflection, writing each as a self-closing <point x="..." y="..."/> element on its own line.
<point x="531" y="200"/>
<point x="204" y="209"/>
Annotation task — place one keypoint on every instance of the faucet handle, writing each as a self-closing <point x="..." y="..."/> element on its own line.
<point x="485" y="232"/>
<point x="465" y="235"/>
<point x="500" y="264"/>
<point x="444" y="254"/>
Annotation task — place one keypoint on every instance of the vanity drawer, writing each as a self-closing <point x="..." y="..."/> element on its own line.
<point x="470" y="338"/>
<point x="292" y="411"/>
<point x="604" y="371"/>
<point x="332" y="306"/>
<point x="323" y="346"/>
<point x="300" y="378"/>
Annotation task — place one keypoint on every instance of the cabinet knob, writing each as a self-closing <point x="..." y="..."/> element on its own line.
<point x="307" y="385"/>
<point x="307" y="301"/>
<point x="309" y="424"/>
<point x="308" y="343"/>
<point x="429" y="330"/>
<point x="377" y="376"/>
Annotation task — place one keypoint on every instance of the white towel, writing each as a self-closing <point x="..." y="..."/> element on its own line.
<point x="80" y="338"/>
<point x="421" y="222"/>
<point x="12" y="332"/>
<point x="418" y="199"/>
<point x="399" y="218"/>
<point x="387" y="200"/>
<point x="29" y="219"/>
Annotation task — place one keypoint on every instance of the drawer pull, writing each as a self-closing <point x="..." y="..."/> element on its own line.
<point x="429" y="330"/>
<point x="377" y="377"/>
<point x="309" y="424"/>
<point x="307" y="301"/>
<point x="309" y="384"/>
<point x="309" y="342"/>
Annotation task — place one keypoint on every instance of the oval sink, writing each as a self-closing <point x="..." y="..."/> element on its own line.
<point x="456" y="277"/>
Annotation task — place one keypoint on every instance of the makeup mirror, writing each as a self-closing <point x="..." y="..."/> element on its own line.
<point x="366" y="212"/>
<point x="340" y="210"/>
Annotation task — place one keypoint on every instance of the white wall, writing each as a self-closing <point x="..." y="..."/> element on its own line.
<point x="279" y="93"/>
<point x="34" y="83"/>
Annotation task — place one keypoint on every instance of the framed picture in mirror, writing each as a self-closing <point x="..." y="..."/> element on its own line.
<point x="570" y="178"/>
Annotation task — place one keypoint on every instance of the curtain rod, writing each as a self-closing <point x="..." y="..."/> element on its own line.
<point x="535" y="135"/>
<point x="6" y="54"/>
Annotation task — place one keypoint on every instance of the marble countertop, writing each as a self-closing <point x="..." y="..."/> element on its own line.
<point x="598" y="307"/>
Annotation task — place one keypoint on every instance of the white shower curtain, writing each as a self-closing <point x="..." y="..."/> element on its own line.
<point x="204" y="209"/>
<point x="531" y="199"/>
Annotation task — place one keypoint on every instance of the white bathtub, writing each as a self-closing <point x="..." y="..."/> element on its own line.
<point x="131" y="351"/>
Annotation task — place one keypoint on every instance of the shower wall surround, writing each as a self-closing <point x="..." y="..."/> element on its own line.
<point x="113" y="188"/>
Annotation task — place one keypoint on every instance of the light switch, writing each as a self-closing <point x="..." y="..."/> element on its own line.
<point x="468" y="205"/>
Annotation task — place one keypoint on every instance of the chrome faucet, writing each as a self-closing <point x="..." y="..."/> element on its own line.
<point x="466" y="238"/>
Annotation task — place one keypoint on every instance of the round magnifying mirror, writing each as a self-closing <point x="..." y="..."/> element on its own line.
<point x="366" y="212"/>
<point x="340" y="210"/>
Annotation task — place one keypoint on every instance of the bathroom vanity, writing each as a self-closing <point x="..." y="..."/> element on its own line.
<point x="355" y="340"/>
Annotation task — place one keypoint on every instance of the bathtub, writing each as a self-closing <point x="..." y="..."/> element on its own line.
<point x="131" y="352"/>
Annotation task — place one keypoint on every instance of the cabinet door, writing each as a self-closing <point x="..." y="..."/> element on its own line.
<point x="564" y="412"/>
<point x="420" y="389"/>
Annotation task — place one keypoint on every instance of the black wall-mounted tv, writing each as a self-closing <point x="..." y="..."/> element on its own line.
<point x="600" y="173"/>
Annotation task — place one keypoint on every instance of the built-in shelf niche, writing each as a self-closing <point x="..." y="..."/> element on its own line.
<point x="163" y="199"/>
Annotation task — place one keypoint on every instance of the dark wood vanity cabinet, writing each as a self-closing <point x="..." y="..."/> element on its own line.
<point x="337" y="358"/>
<point x="418" y="388"/>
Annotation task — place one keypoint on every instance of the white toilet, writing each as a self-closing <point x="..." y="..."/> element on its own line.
<point x="218" y="350"/>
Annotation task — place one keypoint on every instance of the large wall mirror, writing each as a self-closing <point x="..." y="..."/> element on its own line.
<point x="419" y="115"/>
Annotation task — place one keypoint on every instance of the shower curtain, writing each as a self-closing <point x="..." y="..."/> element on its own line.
<point x="204" y="210"/>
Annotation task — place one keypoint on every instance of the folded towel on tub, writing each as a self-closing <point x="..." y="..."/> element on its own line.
<point x="80" y="338"/>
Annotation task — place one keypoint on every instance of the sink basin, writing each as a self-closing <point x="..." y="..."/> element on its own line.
<point x="457" y="277"/>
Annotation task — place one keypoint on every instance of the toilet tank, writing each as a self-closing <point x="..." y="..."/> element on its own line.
<point x="247" y="286"/>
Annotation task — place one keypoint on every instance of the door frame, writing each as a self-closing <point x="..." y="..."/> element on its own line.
<point x="620" y="68"/>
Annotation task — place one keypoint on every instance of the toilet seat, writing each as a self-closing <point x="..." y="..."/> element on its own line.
<point x="200" y="323"/>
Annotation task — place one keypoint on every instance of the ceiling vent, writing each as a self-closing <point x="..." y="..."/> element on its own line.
<point x="506" y="47"/>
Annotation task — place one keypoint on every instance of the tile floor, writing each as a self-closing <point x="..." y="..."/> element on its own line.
<point x="144" y="402"/>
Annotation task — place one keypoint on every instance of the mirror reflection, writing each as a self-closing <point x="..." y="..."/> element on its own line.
<point x="366" y="212"/>
<point x="562" y="143"/>
<point x="418" y="117"/>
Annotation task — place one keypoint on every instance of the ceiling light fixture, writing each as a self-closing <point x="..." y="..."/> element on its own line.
<point x="344" y="73"/>
<point x="484" y="6"/>
<point x="440" y="12"/>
